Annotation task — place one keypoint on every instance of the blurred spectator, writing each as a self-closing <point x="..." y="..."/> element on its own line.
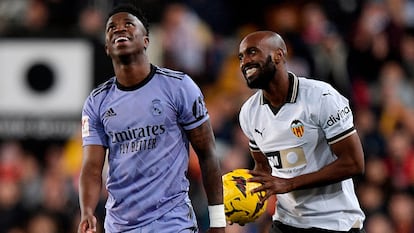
<point x="366" y="123"/>
<point x="372" y="198"/>
<point x="401" y="209"/>
<point x="287" y="19"/>
<point x="44" y="222"/>
<point x="90" y="25"/>
<point x="330" y="60"/>
<point x="379" y="223"/>
<point x="328" y="51"/>
<point x="31" y="182"/>
<point x="400" y="159"/>
<point x="12" y="211"/>
<point x="34" y="21"/>
<point x="186" y="40"/>
<point x="406" y="50"/>
<point x="377" y="174"/>
<point x="392" y="97"/>
<point x="368" y="47"/>
<point x="11" y="12"/>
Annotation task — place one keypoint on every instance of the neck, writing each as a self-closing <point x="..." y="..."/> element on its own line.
<point x="130" y="71"/>
<point x="278" y="89"/>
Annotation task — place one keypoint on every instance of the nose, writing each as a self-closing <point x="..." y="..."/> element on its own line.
<point x="244" y="60"/>
<point x="120" y="28"/>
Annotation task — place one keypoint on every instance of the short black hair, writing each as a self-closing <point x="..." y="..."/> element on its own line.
<point x="130" y="8"/>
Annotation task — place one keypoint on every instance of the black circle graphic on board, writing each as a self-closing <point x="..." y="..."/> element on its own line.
<point x="40" y="77"/>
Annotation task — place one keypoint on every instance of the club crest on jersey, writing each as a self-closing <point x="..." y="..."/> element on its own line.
<point x="297" y="127"/>
<point x="156" y="107"/>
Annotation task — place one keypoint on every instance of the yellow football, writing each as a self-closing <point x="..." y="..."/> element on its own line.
<point x="240" y="205"/>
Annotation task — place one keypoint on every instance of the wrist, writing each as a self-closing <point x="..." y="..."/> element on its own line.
<point x="217" y="216"/>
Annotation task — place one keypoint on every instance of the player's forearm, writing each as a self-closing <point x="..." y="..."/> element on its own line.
<point x="332" y="173"/>
<point x="212" y="182"/>
<point x="213" y="187"/>
<point x="89" y="193"/>
<point x="203" y="143"/>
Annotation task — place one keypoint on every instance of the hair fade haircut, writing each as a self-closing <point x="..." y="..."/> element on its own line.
<point x="132" y="9"/>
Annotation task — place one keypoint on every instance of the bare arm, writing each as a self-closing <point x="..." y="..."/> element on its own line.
<point x="350" y="162"/>
<point x="90" y="185"/>
<point x="260" y="162"/>
<point x="203" y="142"/>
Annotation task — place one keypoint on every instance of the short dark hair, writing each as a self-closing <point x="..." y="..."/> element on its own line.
<point x="129" y="8"/>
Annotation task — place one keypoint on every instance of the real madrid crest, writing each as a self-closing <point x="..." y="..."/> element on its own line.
<point x="156" y="107"/>
<point x="297" y="127"/>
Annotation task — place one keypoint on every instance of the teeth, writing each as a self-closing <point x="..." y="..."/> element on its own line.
<point x="121" y="39"/>
<point x="250" y="71"/>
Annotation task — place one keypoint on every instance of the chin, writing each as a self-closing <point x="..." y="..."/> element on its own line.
<point x="252" y="82"/>
<point x="252" y="85"/>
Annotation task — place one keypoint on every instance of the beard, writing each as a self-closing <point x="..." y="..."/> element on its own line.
<point x="265" y="75"/>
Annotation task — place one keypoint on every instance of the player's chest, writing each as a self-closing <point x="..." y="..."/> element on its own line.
<point x="291" y="126"/>
<point x="136" y="111"/>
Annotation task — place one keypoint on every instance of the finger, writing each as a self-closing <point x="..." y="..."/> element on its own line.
<point x="253" y="180"/>
<point x="258" y="189"/>
<point x="265" y="197"/>
<point x="256" y="173"/>
<point x="91" y="225"/>
<point x="83" y="227"/>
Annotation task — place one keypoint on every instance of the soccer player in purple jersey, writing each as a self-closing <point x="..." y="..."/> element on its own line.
<point x="144" y="120"/>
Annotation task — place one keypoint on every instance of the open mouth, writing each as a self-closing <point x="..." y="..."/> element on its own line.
<point x="121" y="39"/>
<point x="250" y="71"/>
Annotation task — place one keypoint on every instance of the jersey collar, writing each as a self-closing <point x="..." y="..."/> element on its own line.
<point x="292" y="92"/>
<point x="140" y="84"/>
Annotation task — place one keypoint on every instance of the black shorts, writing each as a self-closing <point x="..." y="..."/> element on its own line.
<point x="278" y="227"/>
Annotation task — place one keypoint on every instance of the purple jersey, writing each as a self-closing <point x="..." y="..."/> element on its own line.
<point x="143" y="128"/>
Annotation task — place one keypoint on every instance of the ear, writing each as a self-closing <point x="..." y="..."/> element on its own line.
<point x="106" y="49"/>
<point x="146" y="42"/>
<point x="278" y="56"/>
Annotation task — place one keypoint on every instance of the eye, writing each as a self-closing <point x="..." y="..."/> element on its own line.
<point x="252" y="51"/>
<point x="110" y="27"/>
<point x="129" y="24"/>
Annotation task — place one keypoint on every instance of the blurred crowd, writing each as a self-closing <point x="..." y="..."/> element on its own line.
<point x="363" y="48"/>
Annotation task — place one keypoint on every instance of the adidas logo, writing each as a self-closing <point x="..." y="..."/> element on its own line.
<point x="109" y="113"/>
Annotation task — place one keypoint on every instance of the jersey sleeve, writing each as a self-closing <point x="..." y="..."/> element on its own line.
<point x="192" y="111"/>
<point x="92" y="128"/>
<point x="335" y="115"/>
<point x="244" y="125"/>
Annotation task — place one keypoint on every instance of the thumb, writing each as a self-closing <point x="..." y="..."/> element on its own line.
<point x="91" y="225"/>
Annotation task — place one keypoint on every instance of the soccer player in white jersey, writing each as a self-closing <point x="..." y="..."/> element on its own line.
<point x="303" y="141"/>
<point x="144" y="119"/>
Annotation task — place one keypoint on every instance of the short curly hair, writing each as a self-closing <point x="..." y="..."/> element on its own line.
<point x="130" y="8"/>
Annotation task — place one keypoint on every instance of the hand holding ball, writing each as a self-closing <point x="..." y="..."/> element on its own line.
<point x="240" y="204"/>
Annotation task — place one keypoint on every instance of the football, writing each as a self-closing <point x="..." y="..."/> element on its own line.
<point x="240" y="205"/>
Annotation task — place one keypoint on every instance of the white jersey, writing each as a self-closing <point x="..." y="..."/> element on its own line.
<point x="296" y="141"/>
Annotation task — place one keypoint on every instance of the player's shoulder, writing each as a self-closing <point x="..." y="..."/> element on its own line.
<point x="170" y="74"/>
<point x="174" y="80"/>
<point x="253" y="101"/>
<point x="103" y="87"/>
<point x="313" y="84"/>
<point x="313" y="88"/>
